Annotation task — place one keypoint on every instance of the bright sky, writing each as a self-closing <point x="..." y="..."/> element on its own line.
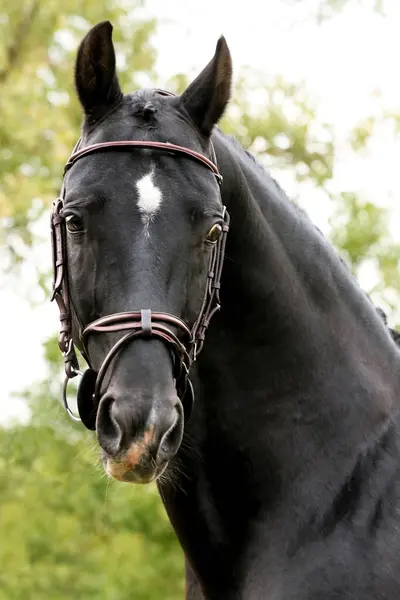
<point x="343" y="63"/>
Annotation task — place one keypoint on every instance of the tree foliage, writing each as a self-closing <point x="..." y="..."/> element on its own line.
<point x="66" y="532"/>
<point x="40" y="116"/>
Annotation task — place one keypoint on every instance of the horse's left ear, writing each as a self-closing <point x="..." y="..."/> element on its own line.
<point x="206" y="98"/>
<point x="96" y="78"/>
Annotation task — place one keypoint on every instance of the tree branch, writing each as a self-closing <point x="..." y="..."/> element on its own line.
<point x="15" y="46"/>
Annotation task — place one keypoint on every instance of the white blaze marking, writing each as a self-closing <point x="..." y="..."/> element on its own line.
<point x="150" y="198"/>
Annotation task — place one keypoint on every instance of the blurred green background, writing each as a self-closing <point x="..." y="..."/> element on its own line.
<point x="65" y="531"/>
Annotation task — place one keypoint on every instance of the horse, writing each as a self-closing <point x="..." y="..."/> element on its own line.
<point x="233" y="358"/>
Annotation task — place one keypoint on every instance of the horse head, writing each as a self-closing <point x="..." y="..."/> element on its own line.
<point x="143" y="230"/>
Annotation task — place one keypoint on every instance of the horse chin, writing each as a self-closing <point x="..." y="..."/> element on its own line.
<point x="121" y="471"/>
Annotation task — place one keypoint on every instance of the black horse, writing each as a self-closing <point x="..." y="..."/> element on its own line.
<point x="284" y="483"/>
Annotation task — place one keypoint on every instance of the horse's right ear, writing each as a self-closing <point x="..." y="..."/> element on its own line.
<point x="206" y="98"/>
<point x="96" y="79"/>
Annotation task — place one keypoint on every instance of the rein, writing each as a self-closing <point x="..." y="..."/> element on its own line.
<point x="185" y="343"/>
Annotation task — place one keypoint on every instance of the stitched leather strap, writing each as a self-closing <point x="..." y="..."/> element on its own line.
<point x="129" y="144"/>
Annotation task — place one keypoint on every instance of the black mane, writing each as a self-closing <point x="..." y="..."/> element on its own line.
<point x="251" y="156"/>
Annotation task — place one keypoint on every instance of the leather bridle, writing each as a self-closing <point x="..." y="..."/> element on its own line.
<point x="184" y="342"/>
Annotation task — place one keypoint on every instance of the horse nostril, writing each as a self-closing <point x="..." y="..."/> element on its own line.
<point x="171" y="440"/>
<point x="120" y="431"/>
<point x="109" y="432"/>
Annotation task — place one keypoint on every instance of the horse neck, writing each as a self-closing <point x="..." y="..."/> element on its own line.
<point x="279" y="264"/>
<point x="298" y="363"/>
<point x="278" y="259"/>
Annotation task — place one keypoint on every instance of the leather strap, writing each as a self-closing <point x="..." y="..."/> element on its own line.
<point x="128" y="144"/>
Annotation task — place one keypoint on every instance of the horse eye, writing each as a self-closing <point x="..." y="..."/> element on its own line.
<point x="214" y="233"/>
<point x="74" y="224"/>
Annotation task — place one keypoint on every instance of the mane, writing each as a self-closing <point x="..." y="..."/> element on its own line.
<point x="248" y="155"/>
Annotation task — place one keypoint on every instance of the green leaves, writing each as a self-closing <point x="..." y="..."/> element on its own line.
<point x="357" y="227"/>
<point x="65" y="529"/>
<point x="279" y="122"/>
<point x="40" y="115"/>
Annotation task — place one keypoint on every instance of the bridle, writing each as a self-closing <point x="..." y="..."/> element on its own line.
<point x="184" y="342"/>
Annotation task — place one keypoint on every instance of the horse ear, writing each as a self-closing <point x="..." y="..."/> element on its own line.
<point x="96" y="79"/>
<point x="206" y="98"/>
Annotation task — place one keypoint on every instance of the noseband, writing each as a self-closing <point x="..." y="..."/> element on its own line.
<point x="184" y="342"/>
